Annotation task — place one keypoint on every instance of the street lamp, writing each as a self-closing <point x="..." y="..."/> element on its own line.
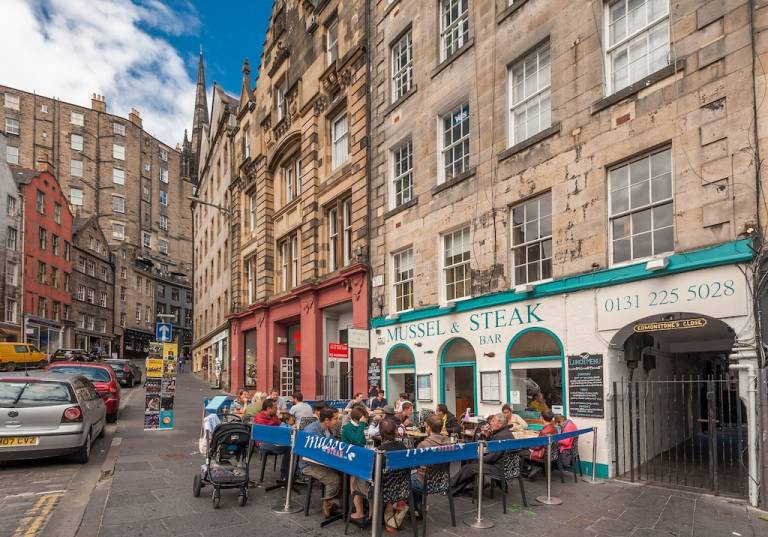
<point x="224" y="210"/>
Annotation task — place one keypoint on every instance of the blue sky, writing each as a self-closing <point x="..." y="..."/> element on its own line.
<point x="137" y="53"/>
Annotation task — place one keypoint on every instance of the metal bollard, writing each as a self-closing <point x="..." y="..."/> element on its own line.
<point x="288" y="509"/>
<point x="593" y="480"/>
<point x="549" y="499"/>
<point x="376" y="516"/>
<point x="478" y="523"/>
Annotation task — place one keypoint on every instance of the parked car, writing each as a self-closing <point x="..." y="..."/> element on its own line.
<point x="45" y="415"/>
<point x="72" y="355"/>
<point x="15" y="355"/>
<point x="103" y="378"/>
<point x="128" y="374"/>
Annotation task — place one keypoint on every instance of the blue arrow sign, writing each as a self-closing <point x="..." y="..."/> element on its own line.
<point x="163" y="332"/>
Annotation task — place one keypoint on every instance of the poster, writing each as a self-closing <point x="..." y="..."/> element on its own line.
<point x="160" y="386"/>
<point x="374" y="375"/>
<point x="166" y="419"/>
<point x="154" y="368"/>
<point x="586" y="396"/>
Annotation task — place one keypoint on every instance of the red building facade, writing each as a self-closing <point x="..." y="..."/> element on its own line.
<point x="47" y="240"/>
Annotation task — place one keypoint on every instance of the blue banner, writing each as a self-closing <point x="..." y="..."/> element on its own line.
<point x="346" y="458"/>
<point x="280" y="436"/>
<point x="410" y="458"/>
<point x="494" y="446"/>
<point x="564" y="436"/>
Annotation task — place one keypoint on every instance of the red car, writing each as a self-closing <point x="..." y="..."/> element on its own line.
<point x="103" y="378"/>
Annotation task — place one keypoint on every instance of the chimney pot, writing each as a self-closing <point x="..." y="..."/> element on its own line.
<point x="98" y="103"/>
<point x="135" y="117"/>
<point x="44" y="165"/>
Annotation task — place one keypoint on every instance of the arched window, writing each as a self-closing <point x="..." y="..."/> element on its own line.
<point x="400" y="356"/>
<point x="459" y="350"/>
<point x="534" y="343"/>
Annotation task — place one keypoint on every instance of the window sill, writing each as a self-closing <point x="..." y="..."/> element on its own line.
<point x="287" y="207"/>
<point x="450" y="59"/>
<point x="407" y="205"/>
<point x="389" y="9"/>
<point x="452" y="182"/>
<point x="529" y="142"/>
<point x="388" y="110"/>
<point x="508" y="11"/>
<point x="635" y="88"/>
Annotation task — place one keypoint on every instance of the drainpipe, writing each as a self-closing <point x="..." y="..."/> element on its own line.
<point x="748" y="373"/>
<point x="22" y="248"/>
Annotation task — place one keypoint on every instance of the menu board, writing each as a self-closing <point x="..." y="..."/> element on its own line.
<point x="374" y="374"/>
<point x="586" y="396"/>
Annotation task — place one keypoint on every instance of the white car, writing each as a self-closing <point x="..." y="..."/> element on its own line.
<point x="47" y="415"/>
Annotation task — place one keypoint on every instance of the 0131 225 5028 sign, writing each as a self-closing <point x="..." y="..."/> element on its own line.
<point x="663" y="297"/>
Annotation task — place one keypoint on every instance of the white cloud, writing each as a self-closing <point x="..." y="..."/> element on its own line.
<point x="70" y="49"/>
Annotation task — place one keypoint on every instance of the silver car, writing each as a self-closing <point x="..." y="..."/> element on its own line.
<point x="46" y="415"/>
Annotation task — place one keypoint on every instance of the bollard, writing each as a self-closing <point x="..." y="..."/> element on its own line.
<point x="288" y="509"/>
<point x="478" y="523"/>
<point x="593" y="480"/>
<point x="549" y="499"/>
<point x="377" y="514"/>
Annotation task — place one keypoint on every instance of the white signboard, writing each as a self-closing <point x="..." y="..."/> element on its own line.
<point x="719" y="292"/>
<point x="358" y="339"/>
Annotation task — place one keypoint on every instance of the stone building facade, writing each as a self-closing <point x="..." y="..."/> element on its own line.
<point x="299" y="193"/>
<point x="93" y="288"/>
<point x="173" y="296"/>
<point x="11" y="226"/>
<point x="110" y="167"/>
<point x="211" y="218"/>
<point x="550" y="180"/>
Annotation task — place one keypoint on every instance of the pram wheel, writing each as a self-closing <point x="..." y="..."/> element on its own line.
<point x="216" y="499"/>
<point x="196" y="486"/>
<point x="243" y="498"/>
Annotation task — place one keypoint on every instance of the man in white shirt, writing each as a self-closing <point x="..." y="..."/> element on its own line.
<point x="300" y="409"/>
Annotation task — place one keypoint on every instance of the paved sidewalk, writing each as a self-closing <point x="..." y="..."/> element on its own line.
<point x="151" y="495"/>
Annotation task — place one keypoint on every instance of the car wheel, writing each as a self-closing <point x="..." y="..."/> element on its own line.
<point x="112" y="418"/>
<point x="196" y="486"/>
<point x="82" y="455"/>
<point x="10" y="366"/>
<point x="43" y="364"/>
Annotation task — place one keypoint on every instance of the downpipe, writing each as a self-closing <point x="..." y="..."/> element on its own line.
<point x="748" y="384"/>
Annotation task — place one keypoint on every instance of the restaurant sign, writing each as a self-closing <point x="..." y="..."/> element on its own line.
<point x="338" y="350"/>
<point x="585" y="386"/>
<point x="679" y="324"/>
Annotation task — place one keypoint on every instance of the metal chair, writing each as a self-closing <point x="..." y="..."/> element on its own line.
<point x="303" y="422"/>
<point x="437" y="480"/>
<point x="573" y="455"/>
<point x="424" y="415"/>
<point x="511" y="464"/>
<point x="395" y="487"/>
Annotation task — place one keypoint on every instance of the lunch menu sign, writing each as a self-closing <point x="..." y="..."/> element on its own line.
<point x="585" y="386"/>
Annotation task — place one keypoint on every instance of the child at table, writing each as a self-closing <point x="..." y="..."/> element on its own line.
<point x="539" y="453"/>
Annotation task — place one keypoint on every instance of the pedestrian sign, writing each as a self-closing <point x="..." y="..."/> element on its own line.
<point x="163" y="332"/>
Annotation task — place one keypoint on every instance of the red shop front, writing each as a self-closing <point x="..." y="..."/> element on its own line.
<point x="283" y="343"/>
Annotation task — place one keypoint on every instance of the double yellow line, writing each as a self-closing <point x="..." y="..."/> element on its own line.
<point x="35" y="517"/>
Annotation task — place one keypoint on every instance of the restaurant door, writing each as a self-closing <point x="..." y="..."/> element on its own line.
<point x="677" y="416"/>
<point x="400" y="373"/>
<point x="458" y="376"/>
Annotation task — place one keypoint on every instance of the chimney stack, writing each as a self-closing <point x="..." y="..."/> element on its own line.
<point x="44" y="165"/>
<point x="98" y="103"/>
<point x="134" y="117"/>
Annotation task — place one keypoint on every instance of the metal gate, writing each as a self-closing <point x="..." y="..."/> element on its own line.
<point x="685" y="431"/>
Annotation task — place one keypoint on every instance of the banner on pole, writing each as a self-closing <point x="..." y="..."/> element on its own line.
<point x="280" y="436"/>
<point x="410" y="458"/>
<point x="345" y="458"/>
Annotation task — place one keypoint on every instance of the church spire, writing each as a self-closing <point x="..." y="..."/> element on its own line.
<point x="200" y="119"/>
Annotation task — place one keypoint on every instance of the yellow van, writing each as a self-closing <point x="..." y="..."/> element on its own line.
<point x="15" y="355"/>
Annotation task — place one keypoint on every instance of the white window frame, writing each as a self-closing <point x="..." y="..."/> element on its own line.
<point x="163" y="175"/>
<point x="401" y="171"/>
<point x="146" y="239"/>
<point x="625" y="42"/>
<point x="283" y="249"/>
<point x="76" y="142"/>
<point x="454" y="32"/>
<point x="163" y="246"/>
<point x="339" y="140"/>
<point x="11" y="154"/>
<point x="401" y="53"/>
<point x="44" y="108"/>
<point x="291" y="173"/>
<point x="10" y="206"/>
<point x="11" y="309"/>
<point x="76" y="196"/>
<point x="163" y="222"/>
<point x="281" y="102"/>
<point x="163" y="197"/>
<point x="402" y="279"/>
<point x="118" y="233"/>
<point x="333" y="238"/>
<point x="542" y="216"/>
<point x="332" y="42"/>
<point x="118" y="204"/>
<point x="12" y="126"/>
<point x="346" y="230"/>
<point x="653" y="204"/>
<point x="138" y="312"/>
<point x="252" y="211"/>
<point x="118" y="176"/>
<point x="118" y="152"/>
<point x="445" y="267"/>
<point x="294" y="260"/>
<point x="541" y="95"/>
<point x="76" y="168"/>
<point x="103" y="299"/>
<point x="77" y="118"/>
<point x="163" y="154"/>
<point x="11" y="101"/>
<point x="118" y="128"/>
<point x="460" y="165"/>
<point x="250" y="271"/>
<point x="11" y="273"/>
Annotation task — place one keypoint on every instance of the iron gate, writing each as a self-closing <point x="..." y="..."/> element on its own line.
<point x="685" y="431"/>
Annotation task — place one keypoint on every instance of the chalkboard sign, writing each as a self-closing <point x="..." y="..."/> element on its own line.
<point x="585" y="386"/>
<point x="296" y="374"/>
<point x="374" y="374"/>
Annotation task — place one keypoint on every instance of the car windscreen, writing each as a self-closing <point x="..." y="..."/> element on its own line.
<point x="116" y="367"/>
<point x="23" y="394"/>
<point x="95" y="374"/>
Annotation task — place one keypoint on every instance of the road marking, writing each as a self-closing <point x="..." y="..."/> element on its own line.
<point x="38" y="514"/>
<point x="29" y="494"/>
<point x="117" y="440"/>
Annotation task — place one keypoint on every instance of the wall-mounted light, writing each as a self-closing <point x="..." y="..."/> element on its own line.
<point x="660" y="263"/>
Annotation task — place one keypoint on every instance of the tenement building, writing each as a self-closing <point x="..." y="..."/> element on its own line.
<point x="566" y="201"/>
<point x="111" y="168"/>
<point x="93" y="288"/>
<point x="212" y="220"/>
<point x="299" y="194"/>
<point x="10" y="253"/>
<point x="173" y="298"/>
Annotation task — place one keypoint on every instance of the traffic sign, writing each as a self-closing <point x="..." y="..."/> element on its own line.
<point x="163" y="332"/>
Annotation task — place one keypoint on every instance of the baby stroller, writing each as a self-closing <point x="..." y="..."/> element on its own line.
<point x="226" y="462"/>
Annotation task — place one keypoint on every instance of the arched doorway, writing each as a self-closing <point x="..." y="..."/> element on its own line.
<point x="680" y="419"/>
<point x="535" y="363"/>
<point x="458" y="386"/>
<point x="400" y="370"/>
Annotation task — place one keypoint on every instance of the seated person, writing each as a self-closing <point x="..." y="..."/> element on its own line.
<point x="280" y="402"/>
<point x="356" y="400"/>
<point x="328" y="419"/>
<point x="387" y="430"/>
<point x="467" y="474"/>
<point x="268" y="416"/>
<point x="399" y="402"/>
<point x="566" y="425"/>
<point x="514" y="422"/>
<point x="354" y="431"/>
<point x="538" y="403"/>
<point x="254" y="407"/>
<point x="374" y="419"/>
<point x="540" y="453"/>
<point x="300" y="409"/>
<point x="240" y="402"/>
<point x="378" y="401"/>
<point x="405" y="416"/>
<point x="434" y="427"/>
<point x="450" y="424"/>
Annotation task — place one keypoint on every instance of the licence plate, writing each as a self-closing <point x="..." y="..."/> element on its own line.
<point x="13" y="441"/>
